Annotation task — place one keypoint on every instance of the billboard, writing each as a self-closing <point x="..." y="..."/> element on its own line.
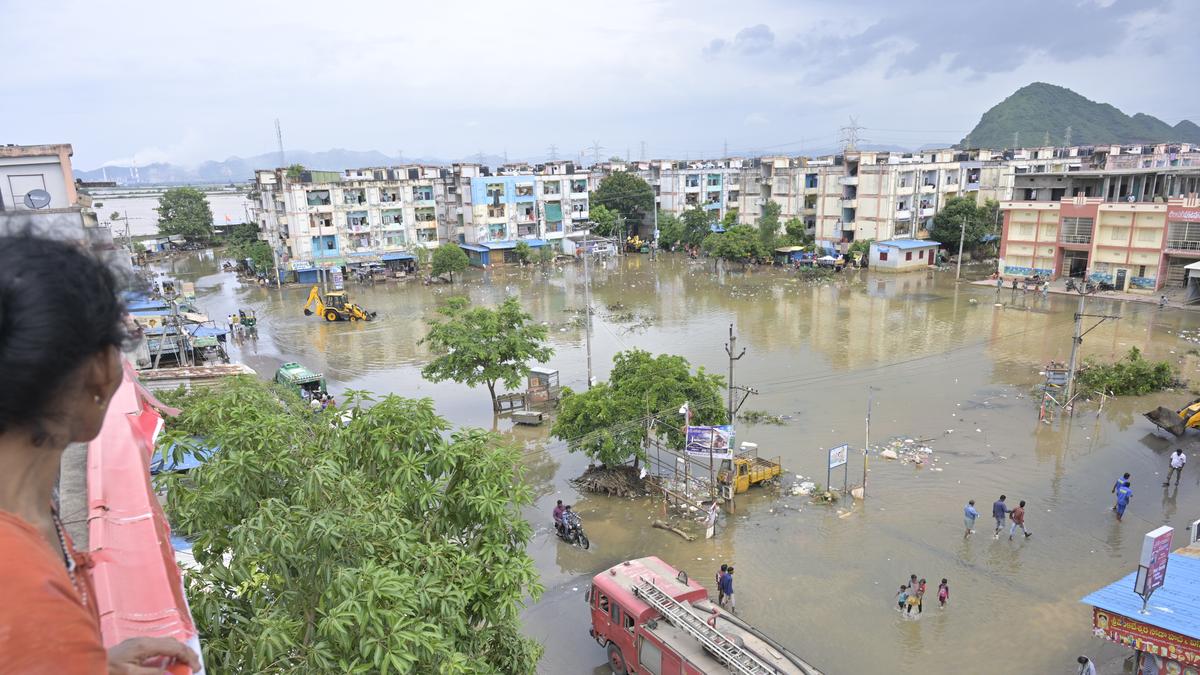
<point x="715" y="441"/>
<point x="1152" y="566"/>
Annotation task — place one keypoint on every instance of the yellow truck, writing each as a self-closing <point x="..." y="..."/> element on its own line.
<point x="747" y="469"/>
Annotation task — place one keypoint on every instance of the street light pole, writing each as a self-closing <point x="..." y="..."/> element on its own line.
<point x="961" y="235"/>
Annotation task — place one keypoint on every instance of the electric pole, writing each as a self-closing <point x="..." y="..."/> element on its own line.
<point x="730" y="348"/>
<point x="587" y="302"/>
<point x="279" y="139"/>
<point x="1077" y="339"/>
<point x="961" y="235"/>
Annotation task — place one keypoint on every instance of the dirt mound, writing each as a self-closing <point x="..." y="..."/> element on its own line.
<point x="614" y="481"/>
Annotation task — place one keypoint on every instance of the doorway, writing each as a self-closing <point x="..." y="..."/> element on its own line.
<point x="1077" y="262"/>
<point x="1122" y="277"/>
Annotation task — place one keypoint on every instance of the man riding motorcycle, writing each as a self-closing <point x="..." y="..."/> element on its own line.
<point x="558" y="516"/>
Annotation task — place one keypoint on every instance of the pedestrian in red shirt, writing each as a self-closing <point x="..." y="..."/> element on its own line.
<point x="1018" y="520"/>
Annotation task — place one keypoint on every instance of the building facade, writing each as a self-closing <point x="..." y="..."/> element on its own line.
<point x="1135" y="229"/>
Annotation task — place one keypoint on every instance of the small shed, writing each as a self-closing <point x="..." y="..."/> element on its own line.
<point x="903" y="255"/>
<point x="787" y="255"/>
<point x="543" y="385"/>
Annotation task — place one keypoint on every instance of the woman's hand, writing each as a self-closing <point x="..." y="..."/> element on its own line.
<point x="149" y="656"/>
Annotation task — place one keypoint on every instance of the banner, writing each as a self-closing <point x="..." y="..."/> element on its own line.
<point x="714" y="441"/>
<point x="1144" y="637"/>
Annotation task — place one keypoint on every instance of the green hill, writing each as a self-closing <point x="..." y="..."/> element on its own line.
<point x="1039" y="109"/>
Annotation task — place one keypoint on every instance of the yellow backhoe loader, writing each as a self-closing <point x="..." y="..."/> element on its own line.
<point x="335" y="307"/>
<point x="1176" y="421"/>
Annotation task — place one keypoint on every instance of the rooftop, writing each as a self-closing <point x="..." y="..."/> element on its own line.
<point x="35" y="150"/>
<point x="1174" y="607"/>
<point x="908" y="243"/>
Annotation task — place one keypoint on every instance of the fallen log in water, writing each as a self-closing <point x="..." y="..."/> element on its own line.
<point x="664" y="526"/>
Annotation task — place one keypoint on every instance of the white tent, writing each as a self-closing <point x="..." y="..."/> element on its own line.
<point x="1193" y="283"/>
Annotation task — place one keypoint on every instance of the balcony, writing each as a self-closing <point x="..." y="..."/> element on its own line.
<point x="1183" y="244"/>
<point x="927" y="212"/>
<point x="1080" y="239"/>
<point x="842" y="180"/>
<point x="903" y="214"/>
<point x="928" y="187"/>
<point x="849" y="203"/>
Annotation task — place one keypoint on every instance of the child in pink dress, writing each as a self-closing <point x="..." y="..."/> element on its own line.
<point x="943" y="594"/>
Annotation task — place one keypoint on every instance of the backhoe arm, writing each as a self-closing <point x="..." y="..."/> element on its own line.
<point x="314" y="296"/>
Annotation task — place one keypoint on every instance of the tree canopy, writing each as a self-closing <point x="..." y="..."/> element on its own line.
<point x="947" y="224"/>
<point x="697" y="224"/>
<point x="244" y="243"/>
<point x="670" y="230"/>
<point x="626" y="193"/>
<point x="185" y="211"/>
<point x="384" y="544"/>
<point x="523" y="252"/>
<point x="448" y="259"/>
<point x="604" y="220"/>
<point x="478" y="345"/>
<point x="796" y="233"/>
<point x="768" y="225"/>
<point x="608" y="422"/>
<point x="740" y="243"/>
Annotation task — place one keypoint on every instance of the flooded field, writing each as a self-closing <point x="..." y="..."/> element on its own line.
<point x="944" y="363"/>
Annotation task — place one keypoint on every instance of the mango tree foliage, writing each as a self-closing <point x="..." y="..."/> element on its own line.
<point x="477" y="345"/>
<point x="448" y="259"/>
<point x="740" y="243"/>
<point x="388" y="544"/>
<point x="608" y="422"/>
<point x="185" y="211"/>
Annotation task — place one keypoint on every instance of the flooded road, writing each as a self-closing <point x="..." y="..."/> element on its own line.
<point x="943" y="363"/>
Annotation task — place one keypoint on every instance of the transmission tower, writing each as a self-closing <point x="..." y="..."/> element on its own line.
<point x="1067" y="136"/>
<point x="850" y="137"/>
<point x="279" y="139"/>
<point x="553" y="150"/>
<point x="595" y="147"/>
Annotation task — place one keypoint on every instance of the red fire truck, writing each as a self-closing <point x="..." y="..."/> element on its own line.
<point x="653" y="619"/>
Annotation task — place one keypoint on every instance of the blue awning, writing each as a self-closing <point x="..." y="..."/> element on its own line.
<point x="208" y="331"/>
<point x="397" y="255"/>
<point x="473" y="247"/>
<point x="505" y="245"/>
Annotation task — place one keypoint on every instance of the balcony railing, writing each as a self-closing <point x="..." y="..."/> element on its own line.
<point x="1076" y="239"/>
<point x="843" y="180"/>
<point x="1184" y="244"/>
<point x="903" y="214"/>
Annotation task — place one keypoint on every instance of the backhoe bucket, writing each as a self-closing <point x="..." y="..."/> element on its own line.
<point x="1167" y="420"/>
<point x="307" y="312"/>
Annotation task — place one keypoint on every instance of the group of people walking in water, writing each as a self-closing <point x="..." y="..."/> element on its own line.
<point x="912" y="596"/>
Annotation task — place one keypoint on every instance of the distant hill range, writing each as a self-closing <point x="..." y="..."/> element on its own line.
<point x="1039" y="112"/>
<point x="240" y="169"/>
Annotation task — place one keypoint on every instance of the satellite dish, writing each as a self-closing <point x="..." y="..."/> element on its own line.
<point x="37" y="199"/>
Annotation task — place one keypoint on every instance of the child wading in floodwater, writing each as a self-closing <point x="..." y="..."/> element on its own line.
<point x="901" y="597"/>
<point x="943" y="594"/>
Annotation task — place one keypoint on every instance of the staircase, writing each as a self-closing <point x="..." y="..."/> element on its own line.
<point x="681" y="616"/>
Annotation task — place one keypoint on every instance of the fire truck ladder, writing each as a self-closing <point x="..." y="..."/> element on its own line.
<point x="737" y="658"/>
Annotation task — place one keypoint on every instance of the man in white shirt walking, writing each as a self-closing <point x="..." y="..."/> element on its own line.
<point x="1178" y="459"/>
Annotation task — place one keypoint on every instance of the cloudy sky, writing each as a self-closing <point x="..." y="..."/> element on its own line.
<point x="185" y="82"/>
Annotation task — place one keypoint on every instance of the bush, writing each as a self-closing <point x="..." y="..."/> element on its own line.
<point x="1130" y="375"/>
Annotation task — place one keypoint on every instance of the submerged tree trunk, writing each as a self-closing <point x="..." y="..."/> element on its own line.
<point x="491" y="385"/>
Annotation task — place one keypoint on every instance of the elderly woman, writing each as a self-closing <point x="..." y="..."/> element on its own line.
<point x="61" y="331"/>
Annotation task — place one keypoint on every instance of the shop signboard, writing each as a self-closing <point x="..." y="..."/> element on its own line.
<point x="717" y="441"/>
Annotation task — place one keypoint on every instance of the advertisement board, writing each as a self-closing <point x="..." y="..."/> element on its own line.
<point x="1152" y="566"/>
<point x="1144" y="637"/>
<point x="717" y="441"/>
<point x="1183" y="214"/>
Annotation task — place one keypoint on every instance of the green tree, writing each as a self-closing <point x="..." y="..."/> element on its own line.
<point x="948" y="224"/>
<point x="385" y="544"/>
<point x="627" y="194"/>
<point x="477" y="345"/>
<point x="608" y="422"/>
<point x="115" y="216"/>
<point x="740" y="243"/>
<point x="423" y="255"/>
<point x="184" y="211"/>
<point x="545" y="254"/>
<point x="768" y="225"/>
<point x="730" y="218"/>
<point x="697" y="224"/>
<point x="670" y="230"/>
<point x="448" y="259"/>
<point x="523" y="252"/>
<point x="604" y="221"/>
<point x="294" y="171"/>
<point x="796" y="233"/>
<point x="1132" y="375"/>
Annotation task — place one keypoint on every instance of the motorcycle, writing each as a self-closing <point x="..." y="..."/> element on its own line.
<point x="571" y="531"/>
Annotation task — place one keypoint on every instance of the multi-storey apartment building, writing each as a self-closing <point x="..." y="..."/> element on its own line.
<point x="1134" y="228"/>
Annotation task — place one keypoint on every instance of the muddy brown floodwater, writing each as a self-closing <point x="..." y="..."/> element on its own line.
<point x="944" y="362"/>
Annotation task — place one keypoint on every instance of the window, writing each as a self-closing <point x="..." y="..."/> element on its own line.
<point x="883" y="255"/>
<point x="615" y="613"/>
<point x="422" y="192"/>
<point x="579" y="185"/>
<point x="908" y="255"/>
<point x="330" y="243"/>
<point x="551" y="188"/>
<point x="1142" y="271"/>
<point x="629" y="623"/>
<point x="495" y="190"/>
<point x="921" y="255"/>
<point x="525" y="190"/>
<point x="495" y="211"/>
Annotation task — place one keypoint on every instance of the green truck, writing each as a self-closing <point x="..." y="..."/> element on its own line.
<point x="300" y="379"/>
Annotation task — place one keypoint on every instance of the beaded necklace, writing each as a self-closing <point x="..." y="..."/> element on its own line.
<point x="68" y="560"/>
